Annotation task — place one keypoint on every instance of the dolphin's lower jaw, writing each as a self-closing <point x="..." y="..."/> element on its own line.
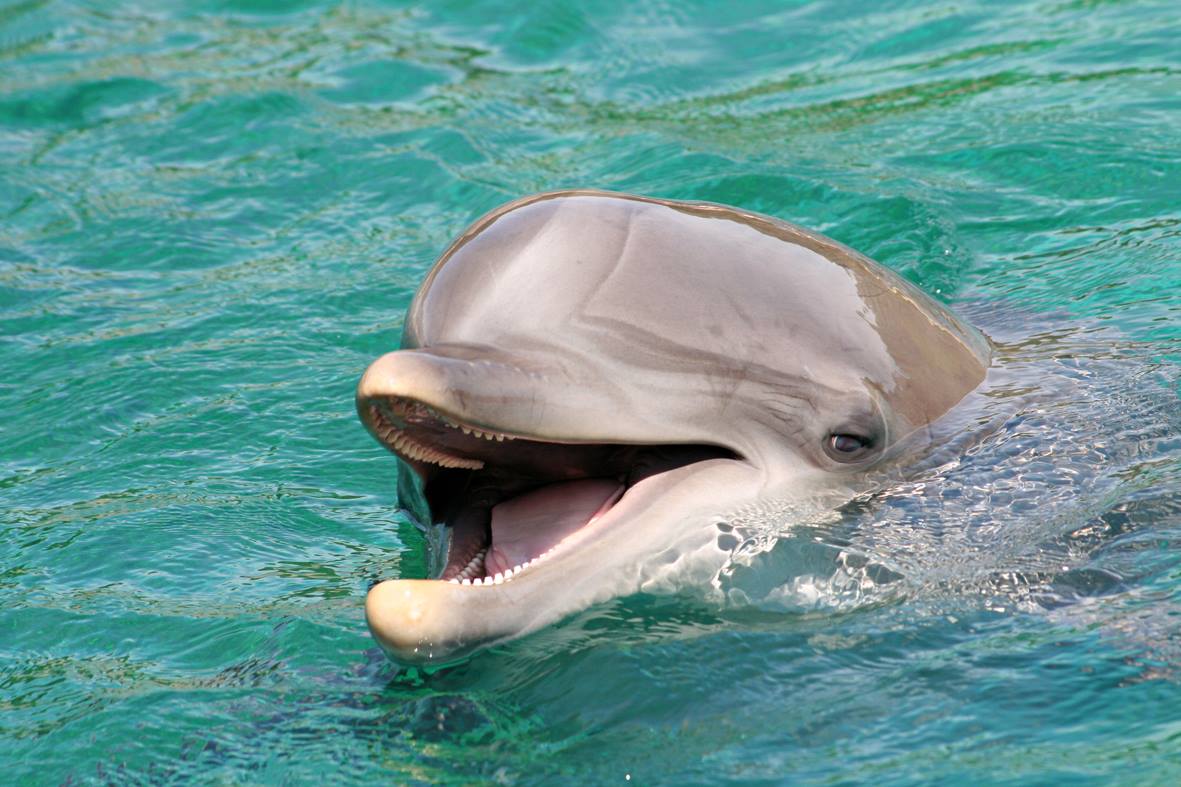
<point x="529" y="521"/>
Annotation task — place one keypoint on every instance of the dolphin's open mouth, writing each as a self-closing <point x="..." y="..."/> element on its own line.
<point x="511" y="500"/>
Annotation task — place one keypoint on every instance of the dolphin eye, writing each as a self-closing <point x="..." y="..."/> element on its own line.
<point x="846" y="447"/>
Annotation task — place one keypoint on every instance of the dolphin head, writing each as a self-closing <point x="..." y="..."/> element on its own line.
<point x="587" y="379"/>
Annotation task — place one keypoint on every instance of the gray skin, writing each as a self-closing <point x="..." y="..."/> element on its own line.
<point x="586" y="317"/>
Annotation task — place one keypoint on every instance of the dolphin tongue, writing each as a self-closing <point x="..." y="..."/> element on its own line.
<point x="527" y="526"/>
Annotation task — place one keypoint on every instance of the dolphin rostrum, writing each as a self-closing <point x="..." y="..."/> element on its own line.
<point x="589" y="381"/>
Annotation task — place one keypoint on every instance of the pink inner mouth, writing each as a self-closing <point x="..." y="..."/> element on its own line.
<point x="530" y="525"/>
<point x="510" y="500"/>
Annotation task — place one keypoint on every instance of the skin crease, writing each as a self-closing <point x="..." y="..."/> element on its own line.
<point x="587" y="316"/>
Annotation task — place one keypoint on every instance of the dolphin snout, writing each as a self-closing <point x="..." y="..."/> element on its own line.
<point x="420" y="621"/>
<point x="404" y="373"/>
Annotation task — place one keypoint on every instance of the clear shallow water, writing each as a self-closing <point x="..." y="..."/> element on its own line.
<point x="212" y="216"/>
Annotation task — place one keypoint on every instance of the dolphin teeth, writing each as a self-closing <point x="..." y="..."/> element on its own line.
<point x="476" y="561"/>
<point x="475" y="566"/>
<point x="480" y="433"/>
<point x="405" y="446"/>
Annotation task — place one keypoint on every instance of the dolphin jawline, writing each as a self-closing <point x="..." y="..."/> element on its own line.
<point x="592" y="383"/>
<point x="514" y="503"/>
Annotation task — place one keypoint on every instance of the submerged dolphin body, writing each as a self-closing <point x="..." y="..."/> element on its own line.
<point x="590" y="381"/>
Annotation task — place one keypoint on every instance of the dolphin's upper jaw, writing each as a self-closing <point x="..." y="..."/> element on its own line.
<point x="511" y="499"/>
<point x="513" y="503"/>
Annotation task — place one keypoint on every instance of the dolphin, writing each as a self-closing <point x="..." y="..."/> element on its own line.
<point x="590" y="381"/>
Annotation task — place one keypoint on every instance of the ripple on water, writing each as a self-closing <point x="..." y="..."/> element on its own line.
<point x="213" y="215"/>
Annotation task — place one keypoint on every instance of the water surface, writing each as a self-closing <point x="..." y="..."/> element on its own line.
<point x="213" y="215"/>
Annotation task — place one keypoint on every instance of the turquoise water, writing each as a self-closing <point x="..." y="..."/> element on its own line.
<point x="213" y="215"/>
